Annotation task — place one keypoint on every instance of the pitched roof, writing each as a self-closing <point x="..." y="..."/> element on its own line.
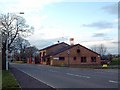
<point x="88" y="49"/>
<point x="66" y="48"/>
<point x="57" y="51"/>
<point x="53" y="46"/>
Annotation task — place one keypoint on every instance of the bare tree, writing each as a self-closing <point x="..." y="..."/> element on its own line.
<point x="11" y="26"/>
<point x="101" y="49"/>
<point x="94" y="48"/>
<point x="20" y="44"/>
<point x="31" y="50"/>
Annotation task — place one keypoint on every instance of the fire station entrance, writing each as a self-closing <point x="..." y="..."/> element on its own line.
<point x="48" y="61"/>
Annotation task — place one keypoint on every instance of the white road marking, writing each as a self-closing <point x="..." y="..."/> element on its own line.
<point x="52" y="71"/>
<point x="106" y="70"/>
<point x="36" y="78"/>
<point x="113" y="81"/>
<point x="77" y="75"/>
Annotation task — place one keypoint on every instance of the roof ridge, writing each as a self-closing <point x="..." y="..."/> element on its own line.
<point x="53" y="45"/>
<point x="88" y="49"/>
<point x="71" y="46"/>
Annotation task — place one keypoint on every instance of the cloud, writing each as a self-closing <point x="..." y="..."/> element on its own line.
<point x="111" y="44"/>
<point x="108" y="42"/>
<point x="51" y="32"/>
<point x="42" y="43"/>
<point x="116" y="42"/>
<point x="36" y="20"/>
<point x="112" y="9"/>
<point x="100" y="25"/>
<point x="31" y="8"/>
<point x="25" y="5"/>
<point x="99" y="35"/>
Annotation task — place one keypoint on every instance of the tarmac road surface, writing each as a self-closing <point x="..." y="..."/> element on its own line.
<point x="65" y="77"/>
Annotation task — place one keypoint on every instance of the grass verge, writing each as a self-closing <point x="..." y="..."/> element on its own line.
<point x="19" y="62"/>
<point x="115" y="61"/>
<point x="0" y="79"/>
<point x="9" y="82"/>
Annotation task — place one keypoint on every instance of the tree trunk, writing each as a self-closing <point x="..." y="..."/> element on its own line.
<point x="3" y="58"/>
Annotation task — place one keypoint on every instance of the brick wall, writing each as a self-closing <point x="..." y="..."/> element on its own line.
<point x="73" y="53"/>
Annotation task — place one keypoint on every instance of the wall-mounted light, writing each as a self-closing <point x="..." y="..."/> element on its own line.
<point x="98" y="56"/>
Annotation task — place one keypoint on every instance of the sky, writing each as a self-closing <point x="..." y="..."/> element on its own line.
<point x="89" y="22"/>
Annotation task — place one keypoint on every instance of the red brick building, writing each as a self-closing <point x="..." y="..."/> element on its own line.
<point x="64" y="54"/>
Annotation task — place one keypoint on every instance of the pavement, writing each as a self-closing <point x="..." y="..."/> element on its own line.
<point x="27" y="82"/>
<point x="64" y="77"/>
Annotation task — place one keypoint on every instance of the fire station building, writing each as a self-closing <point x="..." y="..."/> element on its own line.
<point x="64" y="54"/>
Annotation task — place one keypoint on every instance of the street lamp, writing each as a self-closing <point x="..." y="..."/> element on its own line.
<point x="21" y="13"/>
<point x="0" y="50"/>
<point x="7" y="40"/>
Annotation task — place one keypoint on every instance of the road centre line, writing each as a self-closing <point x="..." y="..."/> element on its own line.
<point x="77" y="75"/>
<point x="113" y="81"/>
<point x="105" y="70"/>
<point x="52" y="71"/>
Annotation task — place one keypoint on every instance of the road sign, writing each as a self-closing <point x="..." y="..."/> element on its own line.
<point x="56" y="58"/>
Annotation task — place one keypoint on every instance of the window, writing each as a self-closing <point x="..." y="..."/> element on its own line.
<point x="83" y="59"/>
<point x="78" y="50"/>
<point x="93" y="59"/>
<point x="61" y="58"/>
<point x="44" y="60"/>
<point x="74" y="58"/>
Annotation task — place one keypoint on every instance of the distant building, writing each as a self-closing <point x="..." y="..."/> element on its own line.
<point x="32" y="55"/>
<point x="64" y="54"/>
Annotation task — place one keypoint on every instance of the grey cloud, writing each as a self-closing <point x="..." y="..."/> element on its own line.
<point x="99" y="35"/>
<point x="100" y="25"/>
<point x="88" y="41"/>
<point x="113" y="50"/>
<point x="112" y="9"/>
<point x="41" y="43"/>
<point x="47" y="42"/>
<point x="107" y="38"/>
<point x="116" y="42"/>
<point x="60" y="39"/>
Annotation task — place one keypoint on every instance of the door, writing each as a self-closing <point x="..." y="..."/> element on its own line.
<point x="48" y="61"/>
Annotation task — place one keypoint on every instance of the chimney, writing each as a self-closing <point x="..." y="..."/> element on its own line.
<point x="71" y="41"/>
<point x="58" y="41"/>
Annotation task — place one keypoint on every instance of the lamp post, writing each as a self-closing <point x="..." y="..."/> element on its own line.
<point x="68" y="57"/>
<point x="0" y="49"/>
<point x="7" y="53"/>
<point x="7" y="41"/>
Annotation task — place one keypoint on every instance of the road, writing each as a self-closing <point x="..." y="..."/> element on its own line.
<point x="64" y="77"/>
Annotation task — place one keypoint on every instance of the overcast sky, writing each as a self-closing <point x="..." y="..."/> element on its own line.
<point x="89" y="22"/>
